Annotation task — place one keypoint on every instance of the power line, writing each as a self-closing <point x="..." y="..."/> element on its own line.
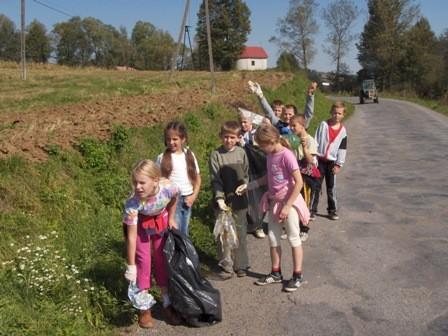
<point x="53" y="8"/>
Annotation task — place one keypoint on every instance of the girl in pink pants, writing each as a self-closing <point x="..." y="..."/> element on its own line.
<point x="148" y="213"/>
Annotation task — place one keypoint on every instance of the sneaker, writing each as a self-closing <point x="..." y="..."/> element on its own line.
<point x="283" y="236"/>
<point x="259" y="233"/>
<point x="269" y="279"/>
<point x="333" y="216"/>
<point x="293" y="284"/>
<point x="312" y="216"/>
<point x="304" y="236"/>
<point x="145" y="319"/>
<point x="241" y="273"/>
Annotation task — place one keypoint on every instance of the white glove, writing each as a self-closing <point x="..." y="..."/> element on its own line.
<point x="241" y="189"/>
<point x="222" y="205"/>
<point x="131" y="273"/>
<point x="255" y="88"/>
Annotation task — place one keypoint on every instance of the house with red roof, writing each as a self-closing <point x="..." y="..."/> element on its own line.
<point x="252" y="58"/>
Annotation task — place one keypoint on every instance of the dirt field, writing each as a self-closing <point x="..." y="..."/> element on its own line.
<point x="27" y="132"/>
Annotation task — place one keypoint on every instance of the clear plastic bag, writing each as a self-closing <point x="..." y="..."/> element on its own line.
<point x="225" y="231"/>
<point x="140" y="299"/>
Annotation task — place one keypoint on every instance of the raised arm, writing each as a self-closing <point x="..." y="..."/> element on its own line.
<point x="256" y="89"/>
<point x="309" y="104"/>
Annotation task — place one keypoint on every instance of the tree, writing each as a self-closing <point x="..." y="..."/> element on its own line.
<point x="421" y="67"/>
<point x="38" y="47"/>
<point x="153" y="47"/>
<point x="71" y="43"/>
<point x="381" y="47"/>
<point x="442" y="50"/>
<point x="339" y="17"/>
<point x="9" y="40"/>
<point x="230" y="26"/>
<point x="296" y="31"/>
<point x="287" y="62"/>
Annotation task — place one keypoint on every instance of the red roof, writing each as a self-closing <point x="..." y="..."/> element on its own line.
<point x="253" y="52"/>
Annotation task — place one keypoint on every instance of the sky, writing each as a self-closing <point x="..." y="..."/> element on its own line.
<point x="167" y="15"/>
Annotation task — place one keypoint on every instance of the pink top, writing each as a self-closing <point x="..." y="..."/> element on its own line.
<point x="281" y="183"/>
<point x="280" y="166"/>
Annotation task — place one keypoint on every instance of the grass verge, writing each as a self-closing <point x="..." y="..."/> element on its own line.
<point x="62" y="251"/>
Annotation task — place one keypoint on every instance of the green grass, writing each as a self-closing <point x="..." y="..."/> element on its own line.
<point x="436" y="105"/>
<point x="62" y="218"/>
<point x="48" y="86"/>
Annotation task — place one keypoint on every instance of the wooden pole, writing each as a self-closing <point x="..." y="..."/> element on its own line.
<point x="22" y="40"/>
<point x="179" y="40"/>
<point x="210" y="51"/>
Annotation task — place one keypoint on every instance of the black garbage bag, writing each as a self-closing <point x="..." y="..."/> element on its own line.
<point x="191" y="295"/>
<point x="257" y="160"/>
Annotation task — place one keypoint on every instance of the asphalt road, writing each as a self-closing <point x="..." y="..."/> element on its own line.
<point x="382" y="269"/>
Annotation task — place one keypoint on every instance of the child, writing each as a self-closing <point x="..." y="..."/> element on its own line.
<point x="306" y="150"/>
<point x="282" y="121"/>
<point x="331" y="138"/>
<point x="147" y="215"/>
<point x="179" y="164"/>
<point x="257" y="169"/>
<point x="229" y="174"/>
<point x="286" y="205"/>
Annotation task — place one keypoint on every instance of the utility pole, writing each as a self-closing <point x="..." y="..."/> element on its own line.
<point x="22" y="40"/>
<point x="210" y="51"/>
<point x="186" y="34"/>
<point x="179" y="40"/>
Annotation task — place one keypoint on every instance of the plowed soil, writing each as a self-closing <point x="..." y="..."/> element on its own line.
<point x="29" y="132"/>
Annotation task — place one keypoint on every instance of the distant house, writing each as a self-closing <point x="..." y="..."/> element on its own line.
<point x="252" y="58"/>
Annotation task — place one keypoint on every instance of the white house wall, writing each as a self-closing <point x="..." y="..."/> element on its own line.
<point x="251" y="64"/>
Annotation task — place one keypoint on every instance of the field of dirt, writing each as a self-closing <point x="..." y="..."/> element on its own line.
<point x="28" y="133"/>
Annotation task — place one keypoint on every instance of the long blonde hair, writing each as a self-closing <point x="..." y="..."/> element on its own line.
<point x="147" y="168"/>
<point x="267" y="134"/>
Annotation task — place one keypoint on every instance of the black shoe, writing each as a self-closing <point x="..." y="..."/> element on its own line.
<point x="293" y="284"/>
<point x="333" y="216"/>
<point x="269" y="279"/>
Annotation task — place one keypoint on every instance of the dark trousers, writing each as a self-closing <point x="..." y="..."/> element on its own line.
<point x="326" y="172"/>
<point x="313" y="185"/>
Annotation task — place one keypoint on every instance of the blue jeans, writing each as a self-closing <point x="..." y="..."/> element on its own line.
<point x="183" y="214"/>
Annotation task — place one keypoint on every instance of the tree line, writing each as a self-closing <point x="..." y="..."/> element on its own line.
<point x="89" y="41"/>
<point x="397" y="47"/>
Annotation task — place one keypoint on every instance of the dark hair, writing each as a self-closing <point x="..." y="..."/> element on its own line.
<point x="277" y="102"/>
<point x="291" y="106"/>
<point x="232" y="127"/>
<point x="167" y="165"/>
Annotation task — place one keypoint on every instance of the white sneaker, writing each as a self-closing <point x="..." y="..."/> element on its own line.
<point x="304" y="236"/>
<point x="283" y="236"/>
<point x="259" y="233"/>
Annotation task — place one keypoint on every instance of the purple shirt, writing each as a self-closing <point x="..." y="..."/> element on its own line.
<point x="281" y="165"/>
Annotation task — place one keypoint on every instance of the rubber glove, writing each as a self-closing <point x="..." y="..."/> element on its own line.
<point x="131" y="273"/>
<point x="255" y="88"/>
<point x="222" y="205"/>
<point x="241" y="189"/>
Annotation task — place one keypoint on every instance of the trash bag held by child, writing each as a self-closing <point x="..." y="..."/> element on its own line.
<point x="225" y="232"/>
<point x="191" y="295"/>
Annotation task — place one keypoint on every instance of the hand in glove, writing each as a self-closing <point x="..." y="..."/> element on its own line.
<point x="241" y="189"/>
<point x="255" y="88"/>
<point x="131" y="273"/>
<point x="222" y="205"/>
